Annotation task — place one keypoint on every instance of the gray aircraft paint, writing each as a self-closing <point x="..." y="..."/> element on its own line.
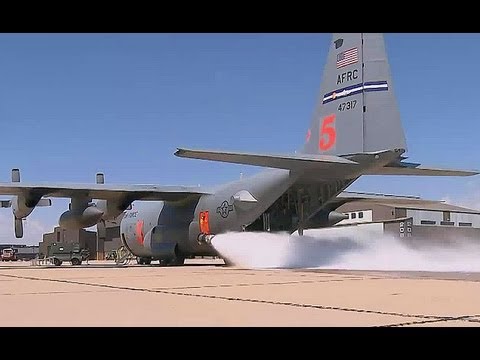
<point x="348" y="124"/>
<point x="382" y="125"/>
<point x="149" y="213"/>
<point x="369" y="139"/>
<point x="265" y="187"/>
<point x="365" y="84"/>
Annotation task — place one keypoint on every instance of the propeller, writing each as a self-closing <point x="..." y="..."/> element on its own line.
<point x="18" y="204"/>
<point x="18" y="228"/>
<point x="17" y="223"/>
<point x="100" y="178"/>
<point x="103" y="204"/>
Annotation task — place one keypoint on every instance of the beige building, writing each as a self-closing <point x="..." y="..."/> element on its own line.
<point x="419" y="221"/>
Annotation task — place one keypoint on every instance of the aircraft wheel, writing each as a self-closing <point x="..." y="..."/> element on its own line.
<point x="143" y="261"/>
<point x="178" y="261"/>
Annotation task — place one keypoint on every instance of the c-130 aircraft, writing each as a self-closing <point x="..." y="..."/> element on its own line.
<point x="356" y="130"/>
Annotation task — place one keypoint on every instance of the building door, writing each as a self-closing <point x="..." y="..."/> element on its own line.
<point x="446" y="216"/>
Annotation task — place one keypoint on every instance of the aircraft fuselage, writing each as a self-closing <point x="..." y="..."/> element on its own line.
<point x="162" y="229"/>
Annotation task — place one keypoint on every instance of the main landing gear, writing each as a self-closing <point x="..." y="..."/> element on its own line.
<point x="178" y="260"/>
<point x="143" y="261"/>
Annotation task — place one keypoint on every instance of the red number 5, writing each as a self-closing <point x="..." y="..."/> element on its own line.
<point x="327" y="131"/>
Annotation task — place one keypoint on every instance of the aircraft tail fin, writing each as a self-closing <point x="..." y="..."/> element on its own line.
<point x="357" y="110"/>
<point x="356" y="118"/>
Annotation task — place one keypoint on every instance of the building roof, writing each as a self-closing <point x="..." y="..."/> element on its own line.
<point x="428" y="205"/>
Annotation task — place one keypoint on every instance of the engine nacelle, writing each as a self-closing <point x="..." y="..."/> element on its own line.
<point x="78" y="220"/>
<point x="111" y="210"/>
<point x="326" y="219"/>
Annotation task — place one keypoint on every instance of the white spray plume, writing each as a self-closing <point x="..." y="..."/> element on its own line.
<point x="351" y="249"/>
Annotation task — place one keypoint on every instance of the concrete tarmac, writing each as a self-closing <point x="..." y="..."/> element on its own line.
<point x="205" y="293"/>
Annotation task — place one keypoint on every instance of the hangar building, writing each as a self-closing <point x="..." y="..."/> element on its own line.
<point x="412" y="217"/>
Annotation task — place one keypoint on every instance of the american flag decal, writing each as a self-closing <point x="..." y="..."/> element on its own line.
<point x="347" y="57"/>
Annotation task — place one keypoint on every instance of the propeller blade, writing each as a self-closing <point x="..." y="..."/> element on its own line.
<point x="18" y="228"/>
<point x="100" y="178"/>
<point x="15" y="175"/>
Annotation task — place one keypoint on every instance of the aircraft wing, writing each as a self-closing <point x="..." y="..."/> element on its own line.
<point x="104" y="191"/>
<point x="42" y="202"/>
<point x="407" y="168"/>
<point x="289" y="162"/>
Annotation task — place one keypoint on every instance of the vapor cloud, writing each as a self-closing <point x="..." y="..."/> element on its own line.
<point x="352" y="249"/>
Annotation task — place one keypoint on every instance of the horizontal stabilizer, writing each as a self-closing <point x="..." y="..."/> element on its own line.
<point x="289" y="162"/>
<point x="420" y="171"/>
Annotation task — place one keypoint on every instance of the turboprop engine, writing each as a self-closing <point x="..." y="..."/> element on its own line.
<point x="23" y="205"/>
<point x="80" y="218"/>
<point x="84" y="213"/>
<point x="326" y="219"/>
<point x="112" y="210"/>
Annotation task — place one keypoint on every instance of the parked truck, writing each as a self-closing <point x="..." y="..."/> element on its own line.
<point x="9" y="254"/>
<point x="60" y="252"/>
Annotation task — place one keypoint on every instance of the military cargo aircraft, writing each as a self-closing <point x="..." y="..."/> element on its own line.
<point x="356" y="130"/>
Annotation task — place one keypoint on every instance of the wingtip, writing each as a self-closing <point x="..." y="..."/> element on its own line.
<point x="179" y="152"/>
<point x="465" y="172"/>
<point x="469" y="172"/>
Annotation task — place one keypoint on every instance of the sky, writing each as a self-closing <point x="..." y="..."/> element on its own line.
<point x="72" y="105"/>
